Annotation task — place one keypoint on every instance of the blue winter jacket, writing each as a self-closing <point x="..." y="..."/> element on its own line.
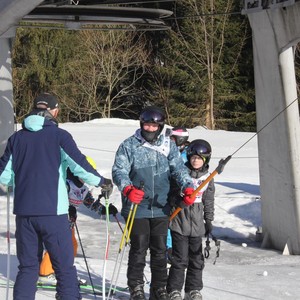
<point x="141" y="164"/>
<point x="35" y="162"/>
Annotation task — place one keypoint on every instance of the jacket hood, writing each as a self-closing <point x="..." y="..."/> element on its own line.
<point x="35" y="123"/>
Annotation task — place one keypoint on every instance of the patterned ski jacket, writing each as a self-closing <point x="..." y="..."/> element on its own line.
<point x="190" y="220"/>
<point x="35" y="162"/>
<point x="138" y="162"/>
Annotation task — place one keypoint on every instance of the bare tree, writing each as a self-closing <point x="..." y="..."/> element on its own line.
<point x="202" y="39"/>
<point x="107" y="68"/>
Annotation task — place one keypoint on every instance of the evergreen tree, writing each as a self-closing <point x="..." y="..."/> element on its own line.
<point x="40" y="58"/>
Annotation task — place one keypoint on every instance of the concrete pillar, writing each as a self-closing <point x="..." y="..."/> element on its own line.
<point x="275" y="33"/>
<point x="11" y="12"/>
<point x="6" y="93"/>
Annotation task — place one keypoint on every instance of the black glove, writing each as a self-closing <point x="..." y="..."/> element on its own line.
<point x="112" y="209"/>
<point x="96" y="206"/>
<point x="88" y="200"/>
<point x="72" y="213"/>
<point x="107" y="187"/>
<point x="208" y="227"/>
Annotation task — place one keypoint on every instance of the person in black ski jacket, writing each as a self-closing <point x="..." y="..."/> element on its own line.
<point x="143" y="166"/>
<point x="34" y="163"/>
<point x="190" y="225"/>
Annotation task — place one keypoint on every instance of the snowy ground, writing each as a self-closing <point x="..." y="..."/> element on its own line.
<point x="238" y="272"/>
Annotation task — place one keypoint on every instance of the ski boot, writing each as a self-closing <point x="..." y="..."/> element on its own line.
<point x="47" y="280"/>
<point x="81" y="281"/>
<point x="175" y="295"/>
<point x="193" y="295"/>
<point x="159" y="294"/>
<point x="137" y="292"/>
<point x="57" y="297"/>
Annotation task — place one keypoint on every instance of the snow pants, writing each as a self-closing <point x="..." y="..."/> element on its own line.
<point x="54" y="232"/>
<point x="186" y="254"/>
<point x="46" y="265"/>
<point x="148" y="234"/>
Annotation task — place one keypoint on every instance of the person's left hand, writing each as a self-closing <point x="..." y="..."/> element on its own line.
<point x="208" y="227"/>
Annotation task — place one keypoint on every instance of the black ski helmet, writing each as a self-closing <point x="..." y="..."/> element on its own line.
<point x="152" y="114"/>
<point x="201" y="148"/>
<point x="180" y="135"/>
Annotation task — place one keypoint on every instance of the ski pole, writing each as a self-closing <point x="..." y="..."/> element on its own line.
<point x="127" y="230"/>
<point x="8" y="243"/>
<point x="218" y="245"/>
<point x="208" y="248"/>
<point x="117" y="263"/>
<point x="107" y="244"/>
<point x="115" y="216"/>
<point x="218" y="170"/>
<point x="145" y="277"/>
<point x="83" y="253"/>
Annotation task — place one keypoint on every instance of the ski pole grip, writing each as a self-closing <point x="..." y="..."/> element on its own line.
<point x="222" y="164"/>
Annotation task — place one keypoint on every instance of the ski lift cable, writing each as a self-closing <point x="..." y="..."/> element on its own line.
<point x="267" y="124"/>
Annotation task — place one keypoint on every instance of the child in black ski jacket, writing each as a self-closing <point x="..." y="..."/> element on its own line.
<point x="190" y="225"/>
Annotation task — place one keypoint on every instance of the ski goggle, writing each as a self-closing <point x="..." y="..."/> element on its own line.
<point x="199" y="149"/>
<point x="152" y="116"/>
<point x="194" y="156"/>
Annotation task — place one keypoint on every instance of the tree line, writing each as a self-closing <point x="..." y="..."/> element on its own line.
<point x="200" y="71"/>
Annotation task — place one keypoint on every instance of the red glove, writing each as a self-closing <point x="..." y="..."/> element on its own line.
<point x="133" y="194"/>
<point x="187" y="199"/>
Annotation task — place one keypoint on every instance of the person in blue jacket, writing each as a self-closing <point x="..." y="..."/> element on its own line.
<point x="34" y="163"/>
<point x="144" y="164"/>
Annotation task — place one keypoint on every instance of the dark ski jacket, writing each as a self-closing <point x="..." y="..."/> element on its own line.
<point x="190" y="220"/>
<point x="35" y="162"/>
<point x="138" y="161"/>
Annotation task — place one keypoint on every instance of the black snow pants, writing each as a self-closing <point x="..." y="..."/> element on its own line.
<point x="148" y="234"/>
<point x="186" y="254"/>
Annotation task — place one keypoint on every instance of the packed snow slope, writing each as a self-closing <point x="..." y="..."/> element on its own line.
<point x="243" y="269"/>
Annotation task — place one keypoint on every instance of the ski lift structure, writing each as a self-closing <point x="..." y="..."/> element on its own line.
<point x="251" y="6"/>
<point x="275" y="34"/>
<point x="97" y="16"/>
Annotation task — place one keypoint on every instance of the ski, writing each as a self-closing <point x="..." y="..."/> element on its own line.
<point x="84" y="288"/>
<point x="120" y="293"/>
